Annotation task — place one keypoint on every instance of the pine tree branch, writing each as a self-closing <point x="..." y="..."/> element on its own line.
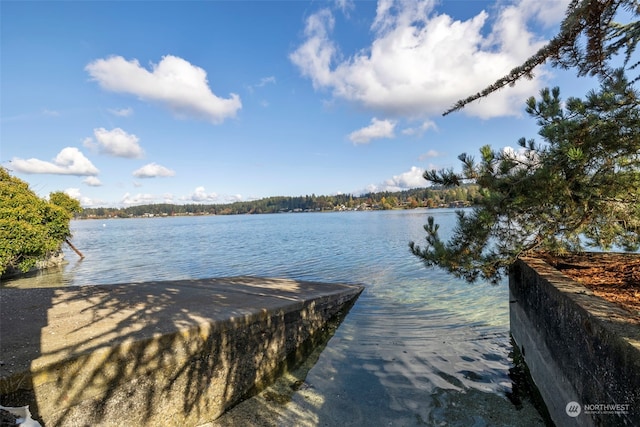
<point x="591" y="18"/>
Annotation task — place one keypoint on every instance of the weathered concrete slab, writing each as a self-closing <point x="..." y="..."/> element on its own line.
<point x="159" y="353"/>
<point x="583" y="352"/>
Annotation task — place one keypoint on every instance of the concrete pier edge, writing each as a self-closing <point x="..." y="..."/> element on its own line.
<point x="582" y="351"/>
<point x="173" y="353"/>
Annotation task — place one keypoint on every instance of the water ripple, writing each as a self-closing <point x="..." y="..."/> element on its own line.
<point x="417" y="345"/>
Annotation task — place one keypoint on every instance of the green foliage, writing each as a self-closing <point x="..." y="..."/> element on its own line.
<point x="588" y="39"/>
<point x="30" y="228"/>
<point x="581" y="186"/>
<point x="65" y="201"/>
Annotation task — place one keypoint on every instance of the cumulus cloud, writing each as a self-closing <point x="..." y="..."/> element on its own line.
<point x="345" y="6"/>
<point x="173" y="82"/>
<point x="547" y="13"/>
<point x="153" y="170"/>
<point x="115" y="142"/>
<point x="234" y="198"/>
<point x="421" y="62"/>
<point x="75" y="193"/>
<point x="122" y="112"/>
<point x="377" y="129"/>
<point x="69" y="161"/>
<point x="129" y="199"/>
<point x="138" y="199"/>
<point x="419" y="130"/>
<point x="315" y="55"/>
<point x="200" y="195"/>
<point x="405" y="181"/>
<point x="430" y="154"/>
<point x="92" y="181"/>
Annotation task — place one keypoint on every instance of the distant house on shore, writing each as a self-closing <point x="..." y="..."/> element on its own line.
<point x="459" y="204"/>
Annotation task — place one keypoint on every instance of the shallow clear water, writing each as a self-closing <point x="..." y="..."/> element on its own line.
<point x="418" y="348"/>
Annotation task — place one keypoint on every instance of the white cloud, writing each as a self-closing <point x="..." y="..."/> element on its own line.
<point x="138" y="199"/>
<point x="92" y="181"/>
<point x="74" y="193"/>
<point x="422" y="62"/>
<point x="266" y="80"/>
<point x="548" y="13"/>
<point x="115" y="142"/>
<point x="377" y="129"/>
<point x="315" y="55"/>
<point x="234" y="198"/>
<point x="405" y="181"/>
<point x="84" y="201"/>
<point x="425" y="126"/>
<point x="200" y="195"/>
<point x="345" y="6"/>
<point x="129" y="199"/>
<point x="153" y="170"/>
<point x="410" y="179"/>
<point x="174" y="82"/>
<point x="262" y="83"/>
<point x="69" y="161"/>
<point x="51" y="113"/>
<point x="429" y="155"/>
<point x="122" y="112"/>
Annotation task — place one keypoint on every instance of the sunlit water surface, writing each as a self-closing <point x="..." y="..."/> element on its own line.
<point x="418" y="348"/>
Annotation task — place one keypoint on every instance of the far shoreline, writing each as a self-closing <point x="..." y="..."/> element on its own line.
<point x="156" y="216"/>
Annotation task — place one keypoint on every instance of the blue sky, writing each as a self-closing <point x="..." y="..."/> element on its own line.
<point x="121" y="103"/>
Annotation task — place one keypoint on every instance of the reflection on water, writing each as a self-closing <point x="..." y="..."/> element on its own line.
<point x="418" y="347"/>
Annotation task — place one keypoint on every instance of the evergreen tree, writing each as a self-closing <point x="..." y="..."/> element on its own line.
<point x="580" y="186"/>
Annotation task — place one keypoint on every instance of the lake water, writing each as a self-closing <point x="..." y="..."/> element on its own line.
<point x="418" y="348"/>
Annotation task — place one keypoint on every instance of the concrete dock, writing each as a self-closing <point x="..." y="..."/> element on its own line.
<point x="175" y="353"/>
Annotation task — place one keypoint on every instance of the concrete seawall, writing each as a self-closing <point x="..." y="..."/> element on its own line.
<point x="583" y="352"/>
<point x="163" y="353"/>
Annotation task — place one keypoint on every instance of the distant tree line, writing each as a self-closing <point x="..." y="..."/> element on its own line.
<point x="420" y="197"/>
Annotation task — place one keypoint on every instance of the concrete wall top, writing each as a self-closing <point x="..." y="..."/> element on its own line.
<point x="580" y="348"/>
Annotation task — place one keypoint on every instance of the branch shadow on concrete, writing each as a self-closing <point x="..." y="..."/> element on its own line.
<point x="21" y="321"/>
<point x="158" y="353"/>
